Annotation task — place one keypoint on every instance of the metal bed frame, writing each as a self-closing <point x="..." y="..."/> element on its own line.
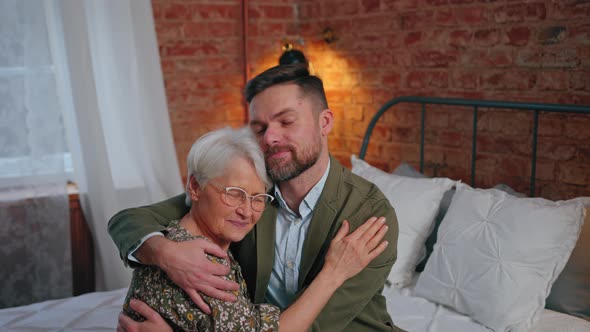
<point x="476" y="104"/>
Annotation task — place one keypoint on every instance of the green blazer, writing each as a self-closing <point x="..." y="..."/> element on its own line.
<point x="356" y="306"/>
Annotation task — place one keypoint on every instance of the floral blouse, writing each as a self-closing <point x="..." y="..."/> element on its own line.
<point x="151" y="285"/>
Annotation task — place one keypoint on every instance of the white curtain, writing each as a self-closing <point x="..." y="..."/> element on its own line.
<point x="35" y="249"/>
<point x="85" y="73"/>
<point x="122" y="147"/>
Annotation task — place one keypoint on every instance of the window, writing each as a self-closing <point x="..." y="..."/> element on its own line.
<point x="32" y="135"/>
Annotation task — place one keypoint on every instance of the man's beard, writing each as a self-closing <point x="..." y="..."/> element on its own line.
<point x="297" y="165"/>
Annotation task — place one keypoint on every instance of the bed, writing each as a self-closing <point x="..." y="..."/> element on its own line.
<point x="464" y="263"/>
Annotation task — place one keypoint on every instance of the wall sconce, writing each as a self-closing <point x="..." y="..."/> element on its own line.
<point x="328" y="35"/>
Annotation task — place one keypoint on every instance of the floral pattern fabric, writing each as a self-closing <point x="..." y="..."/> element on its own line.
<point x="151" y="285"/>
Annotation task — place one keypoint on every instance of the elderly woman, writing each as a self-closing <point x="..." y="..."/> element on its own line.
<point x="226" y="189"/>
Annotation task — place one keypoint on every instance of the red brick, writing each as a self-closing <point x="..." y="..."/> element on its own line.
<point x="580" y="80"/>
<point x="460" y="38"/>
<point x="157" y="11"/>
<point x="381" y="133"/>
<point x="370" y="6"/>
<point x="273" y="29"/>
<point x="392" y="79"/>
<point x="277" y="12"/>
<point x="518" y="36"/>
<point x="437" y="119"/>
<point x="224" y="29"/>
<point x="450" y="138"/>
<point x="342" y="26"/>
<point x="208" y="65"/>
<point x="362" y="96"/>
<point x="574" y="173"/>
<point x="353" y="112"/>
<point x="421" y="79"/>
<point x="551" y="35"/>
<point x="581" y="33"/>
<point x="584" y="154"/>
<point x="557" y="151"/>
<point x="578" y="127"/>
<point x="553" y="80"/>
<point x="545" y="170"/>
<point x="366" y="42"/>
<point x="176" y="11"/>
<point x="433" y="58"/>
<point x="437" y="2"/>
<point x="192" y="30"/>
<point x="310" y="10"/>
<point x="373" y="23"/>
<point x="405" y="134"/>
<point x="404" y="116"/>
<point x="486" y="37"/>
<point x="412" y="20"/>
<point x="520" y="12"/>
<point x="338" y="79"/>
<point x="340" y="8"/>
<point x="226" y="98"/>
<point x="487" y="58"/>
<point x="397" y="5"/>
<point x="514" y="166"/>
<point x="190" y="49"/>
<point x="371" y="77"/>
<point x="570" y="9"/>
<point x="464" y="80"/>
<point x="456" y="158"/>
<point x="550" y="125"/>
<point x="168" y="31"/>
<point x="434" y="155"/>
<point x="473" y="16"/>
<point x="445" y="17"/>
<point x="341" y="95"/>
<point x="461" y="119"/>
<point x="507" y="123"/>
<point x="216" y="11"/>
<point x="412" y="38"/>
<point x="507" y="80"/>
<point x="485" y="163"/>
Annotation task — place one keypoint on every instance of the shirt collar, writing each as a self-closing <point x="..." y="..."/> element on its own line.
<point x="310" y="200"/>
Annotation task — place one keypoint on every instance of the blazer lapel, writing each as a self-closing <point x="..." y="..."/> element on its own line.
<point x="323" y="218"/>
<point x="265" y="251"/>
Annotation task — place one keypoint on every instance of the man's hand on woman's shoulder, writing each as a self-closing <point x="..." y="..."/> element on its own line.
<point x="187" y="265"/>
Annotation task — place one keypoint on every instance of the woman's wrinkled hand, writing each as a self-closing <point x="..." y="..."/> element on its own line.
<point x="153" y="321"/>
<point x="351" y="253"/>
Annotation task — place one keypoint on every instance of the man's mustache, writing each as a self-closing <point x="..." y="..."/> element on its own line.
<point x="275" y="149"/>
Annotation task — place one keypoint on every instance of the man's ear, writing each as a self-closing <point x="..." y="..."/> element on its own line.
<point x="194" y="189"/>
<point x="326" y="121"/>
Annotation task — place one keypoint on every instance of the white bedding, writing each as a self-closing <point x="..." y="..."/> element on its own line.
<point x="420" y="315"/>
<point x="98" y="312"/>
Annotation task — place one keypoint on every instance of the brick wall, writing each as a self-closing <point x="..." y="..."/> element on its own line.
<point x="509" y="50"/>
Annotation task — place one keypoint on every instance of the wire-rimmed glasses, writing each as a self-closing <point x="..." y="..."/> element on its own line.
<point x="236" y="196"/>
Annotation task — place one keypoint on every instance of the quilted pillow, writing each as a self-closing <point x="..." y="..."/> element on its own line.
<point x="497" y="256"/>
<point x="416" y="202"/>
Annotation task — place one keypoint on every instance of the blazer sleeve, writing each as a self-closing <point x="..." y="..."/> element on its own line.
<point x="129" y="226"/>
<point x="358" y="304"/>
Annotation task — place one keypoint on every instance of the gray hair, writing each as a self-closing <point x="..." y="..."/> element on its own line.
<point x="212" y="152"/>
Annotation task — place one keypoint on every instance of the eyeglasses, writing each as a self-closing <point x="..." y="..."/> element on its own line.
<point x="236" y="196"/>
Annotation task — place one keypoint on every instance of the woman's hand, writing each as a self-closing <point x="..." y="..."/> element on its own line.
<point x="153" y="321"/>
<point x="350" y="254"/>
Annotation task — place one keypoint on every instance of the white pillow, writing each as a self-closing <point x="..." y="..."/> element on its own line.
<point x="416" y="203"/>
<point x="497" y="256"/>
